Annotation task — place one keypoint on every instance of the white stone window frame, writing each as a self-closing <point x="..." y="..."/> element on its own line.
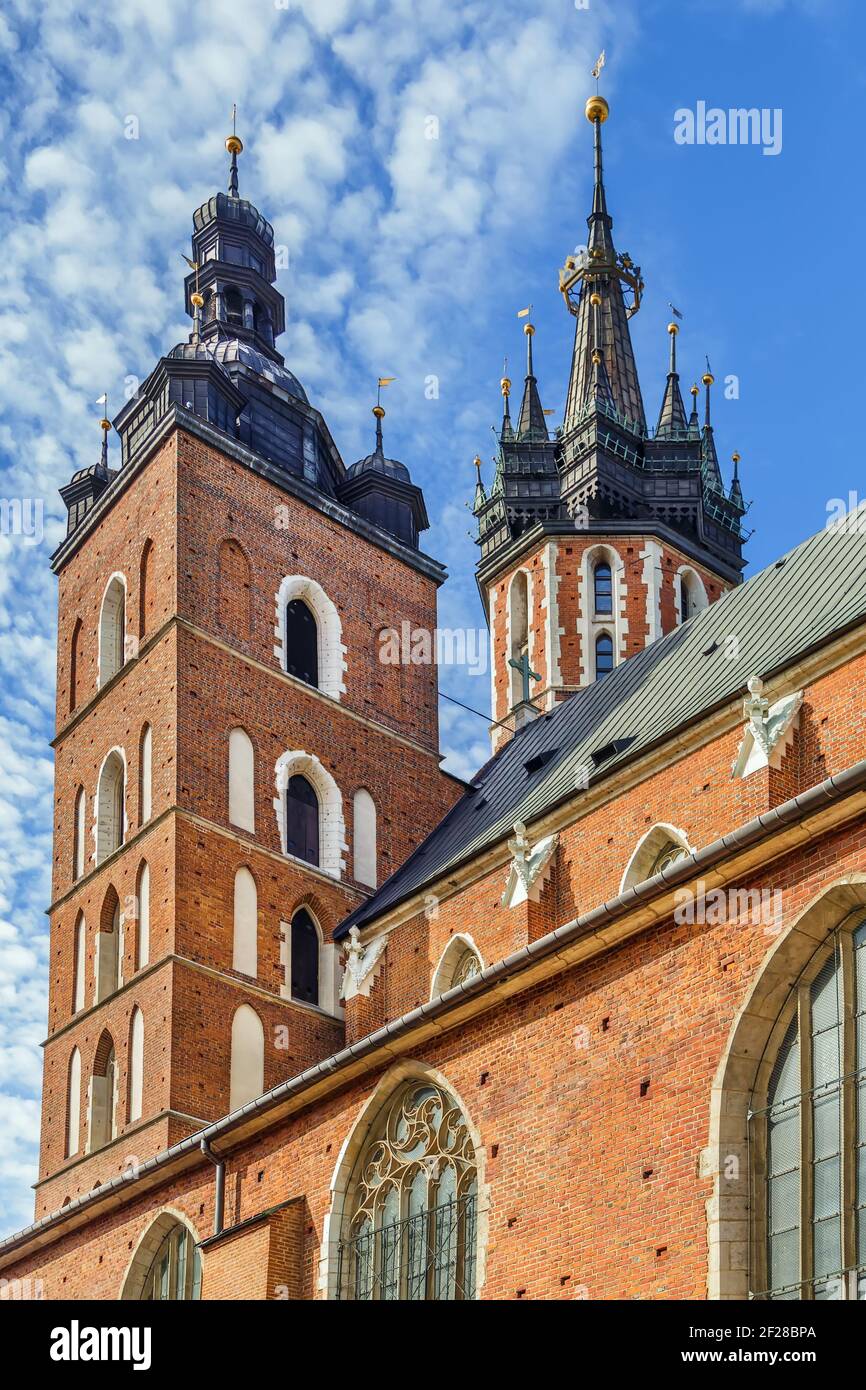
<point x="331" y="651"/>
<point x="329" y="966"/>
<point x="121" y="578"/>
<point x="592" y="625"/>
<point x="453" y="952"/>
<point x="124" y="817"/>
<point x="332" y="825"/>
<point x="646" y="852"/>
<point x="696" y="590"/>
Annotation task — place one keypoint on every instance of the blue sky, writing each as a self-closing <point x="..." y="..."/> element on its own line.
<point x="408" y="257"/>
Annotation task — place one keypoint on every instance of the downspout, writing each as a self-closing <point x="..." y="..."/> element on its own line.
<point x="219" y="1203"/>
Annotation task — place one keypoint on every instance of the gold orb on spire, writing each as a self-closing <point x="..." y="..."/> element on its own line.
<point x="708" y="378"/>
<point x="234" y="144"/>
<point x="695" y="390"/>
<point x="197" y="299"/>
<point x="477" y="462"/>
<point x="673" y="328"/>
<point x="595" y="299"/>
<point x="105" y="424"/>
<point x="735" y="458"/>
<point x="505" y="385"/>
<point x="597" y="108"/>
<point x="379" y="412"/>
<point x="528" y="330"/>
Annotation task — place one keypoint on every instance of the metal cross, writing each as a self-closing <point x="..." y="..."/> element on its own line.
<point x="526" y="673"/>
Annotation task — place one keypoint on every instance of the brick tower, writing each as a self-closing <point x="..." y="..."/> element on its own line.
<point x="602" y="538"/>
<point x="235" y="765"/>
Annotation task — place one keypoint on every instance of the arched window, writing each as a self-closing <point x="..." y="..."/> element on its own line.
<point x="79" y="833"/>
<point x="73" y="665"/>
<point x="692" y="594"/>
<point x="145" y="591"/>
<point x="518" y="618"/>
<point x="364" y="829"/>
<point x="305" y="958"/>
<point x="110" y="818"/>
<point x="603" y="655"/>
<point x="103" y="1097"/>
<point x="79" y="964"/>
<point x="808" y="1134"/>
<point x="234" y="307"/>
<point x="660" y="846"/>
<point x="73" y="1103"/>
<point x="112" y="629"/>
<point x="302" y="642"/>
<point x="175" y="1271"/>
<point x="302" y="820"/>
<point x="136" y="1064"/>
<point x="234" y="589"/>
<point x="108" y="950"/>
<point x="142" y="938"/>
<point x="602" y="589"/>
<point x="246" y="924"/>
<point x="248" y="1057"/>
<point x="145" y="775"/>
<point x="410" y="1224"/>
<point x="242" y="770"/>
<point x="460" y="961"/>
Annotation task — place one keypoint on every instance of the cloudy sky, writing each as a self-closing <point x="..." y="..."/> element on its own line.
<point x="407" y="256"/>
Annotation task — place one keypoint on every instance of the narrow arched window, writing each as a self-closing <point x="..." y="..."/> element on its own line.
<point x="685" y="602"/>
<point x="305" y="958"/>
<point x="518" y="618"/>
<point x="808" y="1137"/>
<point x="233" y="589"/>
<point x="73" y="665"/>
<point x="603" y="654"/>
<point x="241" y="780"/>
<point x="302" y="820"/>
<point x="108" y="952"/>
<point x="246" y="924"/>
<point x="73" y="1103"/>
<point x="142" y="940"/>
<point x="247" y="1058"/>
<point x="79" y="964"/>
<point x="136" y="1064"/>
<point x="410" y="1229"/>
<point x="79" y="833"/>
<point x="364" y="831"/>
<point x="603" y="588"/>
<point x="302" y="642"/>
<point x="234" y="307"/>
<point x="112" y="630"/>
<point x="145" y="591"/>
<point x="145" y="775"/>
<point x="103" y="1097"/>
<point x="110" y="806"/>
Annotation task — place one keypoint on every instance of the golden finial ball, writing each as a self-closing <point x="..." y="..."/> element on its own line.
<point x="695" y="390"/>
<point x="597" y="109"/>
<point x="197" y="299"/>
<point x="505" y="385"/>
<point x="673" y="328"/>
<point x="528" y="330"/>
<point x="234" y="144"/>
<point x="477" y="462"/>
<point x="379" y="412"/>
<point x="105" y="425"/>
<point x="595" y="299"/>
<point x="708" y="378"/>
<point x="596" y="357"/>
<point x="735" y="457"/>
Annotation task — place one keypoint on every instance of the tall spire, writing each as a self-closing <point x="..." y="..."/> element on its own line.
<point x="710" y="457"/>
<point x="736" y="493"/>
<point x="235" y="146"/>
<point x="672" y="416"/>
<point x="600" y="270"/>
<point x="531" y="425"/>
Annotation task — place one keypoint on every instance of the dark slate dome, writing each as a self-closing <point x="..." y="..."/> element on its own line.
<point x="377" y="463"/>
<point x="223" y="207"/>
<point x="230" y="350"/>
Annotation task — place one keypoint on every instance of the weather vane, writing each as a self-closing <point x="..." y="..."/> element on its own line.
<point x="599" y="64"/>
<point x="382" y="381"/>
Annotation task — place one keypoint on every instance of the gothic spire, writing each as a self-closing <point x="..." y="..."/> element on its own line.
<point x="672" y="416"/>
<point x="736" y="493"/>
<point x="600" y="270"/>
<point x="480" y="494"/>
<point x="531" y="425"/>
<point x="710" y="457"/>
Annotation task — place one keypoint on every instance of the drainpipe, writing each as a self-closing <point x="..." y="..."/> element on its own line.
<point x="219" y="1204"/>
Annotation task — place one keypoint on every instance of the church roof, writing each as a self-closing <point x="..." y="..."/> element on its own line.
<point x="796" y="604"/>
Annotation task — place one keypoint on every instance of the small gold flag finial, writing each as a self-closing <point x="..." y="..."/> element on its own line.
<point x="599" y="64"/>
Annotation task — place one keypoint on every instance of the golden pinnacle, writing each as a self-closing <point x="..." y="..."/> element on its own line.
<point x="528" y="330"/>
<point x="234" y="144"/>
<point x="695" y="390"/>
<point x="379" y="412"/>
<point x="477" y="462"/>
<point x="735" y="458"/>
<point x="596" y="109"/>
<point x="196" y="299"/>
<point x="105" y="424"/>
<point x="595" y="299"/>
<point x="708" y="378"/>
<point x="673" y="328"/>
<point x="505" y="386"/>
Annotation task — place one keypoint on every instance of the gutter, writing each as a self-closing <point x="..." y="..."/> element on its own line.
<point x="832" y="790"/>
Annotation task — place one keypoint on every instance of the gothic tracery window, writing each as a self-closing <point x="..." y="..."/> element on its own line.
<point x="176" y="1269"/>
<point x="410" y="1230"/>
<point x="668" y="854"/>
<point x="808" y="1136"/>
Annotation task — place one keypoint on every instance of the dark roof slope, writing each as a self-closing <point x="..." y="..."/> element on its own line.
<point x="801" y="601"/>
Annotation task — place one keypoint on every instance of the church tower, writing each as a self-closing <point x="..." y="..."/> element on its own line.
<point x="236" y="766"/>
<point x="599" y="539"/>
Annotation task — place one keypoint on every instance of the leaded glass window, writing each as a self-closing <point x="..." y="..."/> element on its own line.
<point x="467" y="967"/>
<point x="411" y="1225"/>
<point x="175" y="1273"/>
<point x="808" y="1136"/>
<point x="668" y="854"/>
